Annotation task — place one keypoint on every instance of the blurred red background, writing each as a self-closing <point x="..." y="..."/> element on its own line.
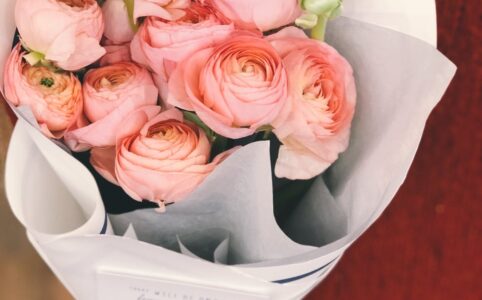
<point x="428" y="243"/>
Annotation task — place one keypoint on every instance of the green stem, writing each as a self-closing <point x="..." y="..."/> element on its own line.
<point x="267" y="134"/>
<point x="318" y="32"/>
<point x="130" y="14"/>
<point x="219" y="145"/>
<point x="193" y="118"/>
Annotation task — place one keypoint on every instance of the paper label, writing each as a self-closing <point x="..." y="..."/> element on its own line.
<point x="115" y="285"/>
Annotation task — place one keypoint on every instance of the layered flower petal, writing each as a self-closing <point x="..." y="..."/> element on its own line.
<point x="111" y="94"/>
<point x="55" y="98"/>
<point x="169" y="10"/>
<point x="161" y="159"/>
<point x="264" y="15"/>
<point x="115" y="54"/>
<point x="66" y="32"/>
<point x="118" y="27"/>
<point x="235" y="88"/>
<point x="322" y="94"/>
<point x="161" y="45"/>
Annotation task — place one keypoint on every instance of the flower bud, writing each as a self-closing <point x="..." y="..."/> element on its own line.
<point x="321" y="7"/>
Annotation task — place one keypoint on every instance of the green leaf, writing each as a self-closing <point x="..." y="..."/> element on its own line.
<point x="219" y="145"/>
<point x="192" y="117"/>
<point x="130" y="14"/>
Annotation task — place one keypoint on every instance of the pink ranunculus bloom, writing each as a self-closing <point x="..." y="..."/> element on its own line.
<point x="235" y="87"/>
<point x="66" y="32"/>
<point x="322" y="93"/>
<point x="158" y="158"/>
<point x="111" y="94"/>
<point x="116" y="53"/>
<point x="118" y="27"/>
<point x="169" y="10"/>
<point x="55" y="98"/>
<point x="264" y="15"/>
<point x="160" y="45"/>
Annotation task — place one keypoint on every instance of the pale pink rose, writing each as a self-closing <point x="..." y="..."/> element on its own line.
<point x="323" y="95"/>
<point x="66" y="32"/>
<point x="161" y="159"/>
<point x="55" y="98"/>
<point x="118" y="27"/>
<point x="111" y="94"/>
<point x="115" y="54"/>
<point x="160" y="45"/>
<point x="234" y="88"/>
<point x="264" y="15"/>
<point x="169" y="10"/>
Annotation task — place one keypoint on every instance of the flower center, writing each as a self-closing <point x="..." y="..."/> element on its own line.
<point x="319" y="90"/>
<point x="248" y="68"/>
<point x="200" y="12"/>
<point x="312" y="92"/>
<point x="58" y="89"/>
<point x="162" y="130"/>
<point x="47" y="81"/>
<point x="112" y="80"/>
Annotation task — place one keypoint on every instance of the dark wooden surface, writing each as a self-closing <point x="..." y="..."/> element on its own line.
<point x="427" y="245"/>
<point x="23" y="275"/>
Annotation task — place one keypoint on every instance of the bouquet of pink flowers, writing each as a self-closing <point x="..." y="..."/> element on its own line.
<point x="161" y="92"/>
<point x="234" y="118"/>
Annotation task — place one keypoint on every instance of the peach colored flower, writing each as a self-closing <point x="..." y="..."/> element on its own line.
<point x="118" y="27"/>
<point x="169" y="10"/>
<point x="55" y="98"/>
<point x="264" y="15"/>
<point x="116" y="53"/>
<point x="158" y="158"/>
<point x="66" y="32"/>
<point x="323" y="95"/>
<point x="235" y="88"/>
<point x="111" y="94"/>
<point x="160" y="45"/>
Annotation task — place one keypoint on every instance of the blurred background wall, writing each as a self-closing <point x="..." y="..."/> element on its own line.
<point x="426" y="245"/>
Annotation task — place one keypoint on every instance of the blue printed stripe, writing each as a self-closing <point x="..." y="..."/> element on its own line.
<point x="291" y="279"/>
<point x="104" y="227"/>
<point x="281" y="281"/>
